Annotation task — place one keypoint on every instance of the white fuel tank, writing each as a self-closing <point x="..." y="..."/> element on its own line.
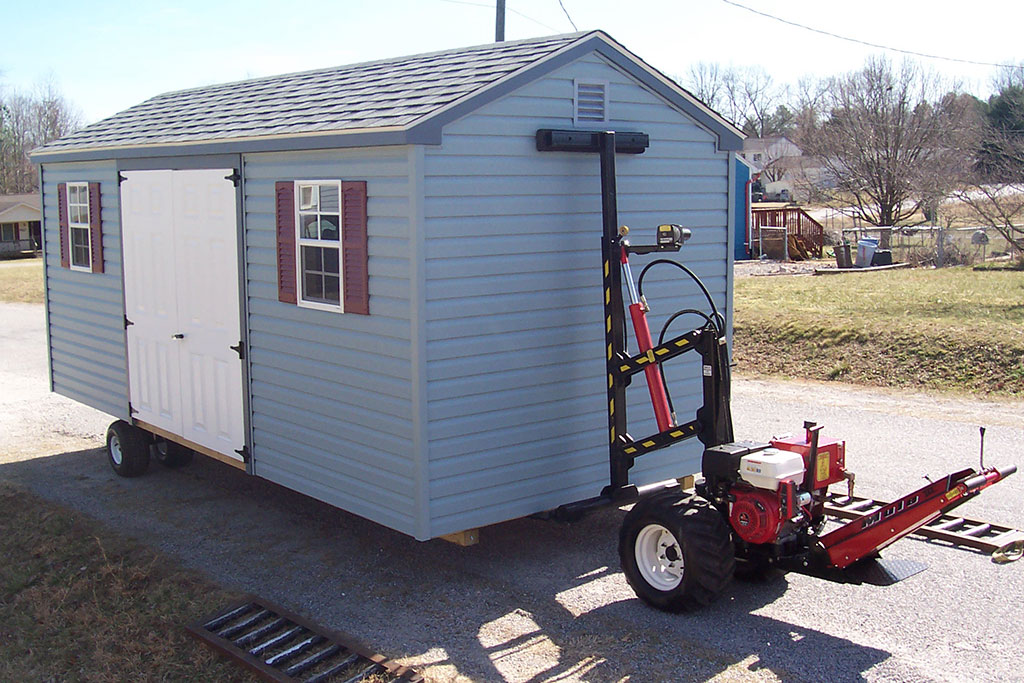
<point x="767" y="469"/>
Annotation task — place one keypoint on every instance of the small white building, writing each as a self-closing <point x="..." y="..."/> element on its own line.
<point x="771" y="155"/>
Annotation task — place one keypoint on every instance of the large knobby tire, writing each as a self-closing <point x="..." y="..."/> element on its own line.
<point x="127" y="449"/>
<point x="173" y="455"/>
<point x="676" y="551"/>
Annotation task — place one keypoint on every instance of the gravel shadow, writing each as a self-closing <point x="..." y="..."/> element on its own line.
<point x="533" y="601"/>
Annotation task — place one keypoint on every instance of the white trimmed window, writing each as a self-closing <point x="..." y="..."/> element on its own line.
<point x="79" y="232"/>
<point x="318" y="236"/>
<point x="9" y="232"/>
<point x="590" y="102"/>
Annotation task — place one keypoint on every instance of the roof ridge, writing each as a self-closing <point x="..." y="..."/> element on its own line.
<point x="563" y="37"/>
<point x="399" y="100"/>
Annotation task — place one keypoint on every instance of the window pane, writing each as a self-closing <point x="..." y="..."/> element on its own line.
<point x="311" y="259"/>
<point x="330" y="199"/>
<point x="73" y="215"/>
<point x="331" y="289"/>
<point x="79" y="237"/>
<point x="7" y="233"/>
<point x="308" y="227"/>
<point x="331" y="261"/>
<point x="329" y="227"/>
<point x="308" y="197"/>
<point x="80" y="256"/>
<point x="314" y="289"/>
<point x="73" y="195"/>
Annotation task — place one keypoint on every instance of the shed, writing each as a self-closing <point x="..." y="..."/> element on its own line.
<point x="366" y="284"/>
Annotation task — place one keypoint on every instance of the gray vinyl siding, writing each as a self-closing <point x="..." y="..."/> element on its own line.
<point x="516" y="403"/>
<point x="85" y="311"/>
<point x="331" y="394"/>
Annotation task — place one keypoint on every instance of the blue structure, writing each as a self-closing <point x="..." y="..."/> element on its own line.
<point x="741" y="196"/>
<point x="458" y="377"/>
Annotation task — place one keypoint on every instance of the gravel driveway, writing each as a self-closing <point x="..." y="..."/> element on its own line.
<point x="540" y="601"/>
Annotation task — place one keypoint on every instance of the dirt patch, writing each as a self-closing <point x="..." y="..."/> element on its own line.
<point x="757" y="268"/>
<point x="80" y="603"/>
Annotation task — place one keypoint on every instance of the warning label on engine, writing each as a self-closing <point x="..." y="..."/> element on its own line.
<point x="823" y="466"/>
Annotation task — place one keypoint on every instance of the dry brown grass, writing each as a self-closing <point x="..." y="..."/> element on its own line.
<point x="949" y="329"/>
<point x="21" y="281"/>
<point x="78" y="603"/>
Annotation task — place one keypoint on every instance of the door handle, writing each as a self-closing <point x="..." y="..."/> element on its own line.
<point x="178" y="336"/>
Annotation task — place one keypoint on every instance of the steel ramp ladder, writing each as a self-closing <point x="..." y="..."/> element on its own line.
<point x="1002" y="542"/>
<point x="278" y="645"/>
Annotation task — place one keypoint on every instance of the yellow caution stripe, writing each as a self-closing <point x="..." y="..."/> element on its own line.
<point x="666" y="438"/>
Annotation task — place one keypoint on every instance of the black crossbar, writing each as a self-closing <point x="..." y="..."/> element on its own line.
<point x="551" y="140"/>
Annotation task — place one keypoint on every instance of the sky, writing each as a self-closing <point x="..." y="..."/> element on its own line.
<point x="107" y="55"/>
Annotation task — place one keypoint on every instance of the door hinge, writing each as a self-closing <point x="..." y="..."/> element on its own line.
<point x="131" y="410"/>
<point x="121" y="178"/>
<point x="235" y="177"/>
<point x="127" y="322"/>
<point x="239" y="349"/>
<point x="244" y="452"/>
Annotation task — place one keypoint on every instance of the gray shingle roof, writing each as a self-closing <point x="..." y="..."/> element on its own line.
<point x="374" y="95"/>
<point x="9" y="201"/>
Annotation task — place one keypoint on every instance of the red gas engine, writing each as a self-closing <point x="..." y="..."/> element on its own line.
<point x="782" y="485"/>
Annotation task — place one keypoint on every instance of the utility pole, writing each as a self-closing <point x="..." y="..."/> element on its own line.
<point x="499" y="22"/>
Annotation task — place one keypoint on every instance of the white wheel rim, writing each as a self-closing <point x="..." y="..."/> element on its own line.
<point x="115" y="450"/>
<point x="659" y="557"/>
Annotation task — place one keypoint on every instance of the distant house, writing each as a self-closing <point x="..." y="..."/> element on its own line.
<point x="770" y="155"/>
<point x="784" y="171"/>
<point x="19" y="223"/>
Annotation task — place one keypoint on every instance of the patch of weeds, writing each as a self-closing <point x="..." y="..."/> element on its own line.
<point x="81" y="603"/>
<point x="840" y="369"/>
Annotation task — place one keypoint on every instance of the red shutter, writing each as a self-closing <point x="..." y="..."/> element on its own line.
<point x="95" y="227"/>
<point x="353" y="247"/>
<point x="62" y="221"/>
<point x="285" y="194"/>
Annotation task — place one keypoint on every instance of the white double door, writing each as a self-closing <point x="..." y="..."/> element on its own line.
<point x="180" y="236"/>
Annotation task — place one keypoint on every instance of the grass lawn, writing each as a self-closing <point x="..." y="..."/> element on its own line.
<point x="949" y="329"/>
<point x="22" y="281"/>
<point x="80" y="603"/>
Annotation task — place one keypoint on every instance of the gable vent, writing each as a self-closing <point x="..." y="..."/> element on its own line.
<point x="590" y="102"/>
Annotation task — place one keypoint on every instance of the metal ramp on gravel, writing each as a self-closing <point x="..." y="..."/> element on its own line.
<point x="281" y="646"/>
<point x="1002" y="542"/>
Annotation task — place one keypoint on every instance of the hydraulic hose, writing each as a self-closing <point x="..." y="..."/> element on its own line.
<point x="693" y="276"/>
<point x="715" y="320"/>
<point x="661" y="340"/>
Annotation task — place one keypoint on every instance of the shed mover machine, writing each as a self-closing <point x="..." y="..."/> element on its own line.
<point x="758" y="507"/>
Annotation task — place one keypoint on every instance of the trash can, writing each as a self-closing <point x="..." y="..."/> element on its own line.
<point x="882" y="257"/>
<point x="843" y="259"/>
<point x="865" y="252"/>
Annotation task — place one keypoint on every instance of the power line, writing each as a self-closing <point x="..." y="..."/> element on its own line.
<point x="870" y="44"/>
<point x="510" y="9"/>
<point x="560" y="4"/>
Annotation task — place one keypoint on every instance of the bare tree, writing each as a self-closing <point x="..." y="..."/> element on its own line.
<point x="885" y="138"/>
<point x="747" y="96"/>
<point x="991" y="173"/>
<point x="705" y="81"/>
<point x="28" y="120"/>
